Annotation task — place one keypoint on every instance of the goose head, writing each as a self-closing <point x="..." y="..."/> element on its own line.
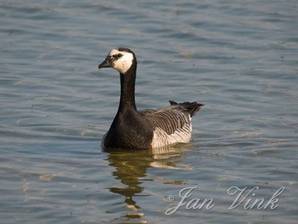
<point x="121" y="59"/>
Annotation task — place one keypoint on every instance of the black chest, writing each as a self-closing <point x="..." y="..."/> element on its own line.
<point x="129" y="130"/>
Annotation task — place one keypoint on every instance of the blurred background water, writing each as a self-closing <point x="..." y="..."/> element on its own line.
<point x="239" y="58"/>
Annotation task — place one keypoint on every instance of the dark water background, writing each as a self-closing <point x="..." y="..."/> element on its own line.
<point x="240" y="58"/>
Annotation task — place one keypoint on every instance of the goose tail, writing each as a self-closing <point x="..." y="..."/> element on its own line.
<point x="190" y="107"/>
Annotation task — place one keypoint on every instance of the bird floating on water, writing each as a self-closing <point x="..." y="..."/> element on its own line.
<point x="147" y="129"/>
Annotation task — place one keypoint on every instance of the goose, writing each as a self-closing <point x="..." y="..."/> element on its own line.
<point x="147" y="129"/>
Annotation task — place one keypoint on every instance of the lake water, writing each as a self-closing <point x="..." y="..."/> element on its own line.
<point x="239" y="58"/>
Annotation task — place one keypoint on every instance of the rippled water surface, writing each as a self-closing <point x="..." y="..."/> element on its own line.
<point x="239" y="58"/>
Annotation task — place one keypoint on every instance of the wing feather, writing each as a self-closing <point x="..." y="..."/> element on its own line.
<point x="171" y="125"/>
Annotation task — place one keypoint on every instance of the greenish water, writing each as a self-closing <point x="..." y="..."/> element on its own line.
<point x="238" y="58"/>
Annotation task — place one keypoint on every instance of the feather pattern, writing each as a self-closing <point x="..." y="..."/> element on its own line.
<point x="171" y="124"/>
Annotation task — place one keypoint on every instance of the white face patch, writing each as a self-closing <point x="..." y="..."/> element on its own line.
<point x="123" y="63"/>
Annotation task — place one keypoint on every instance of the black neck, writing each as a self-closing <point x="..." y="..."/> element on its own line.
<point x="127" y="81"/>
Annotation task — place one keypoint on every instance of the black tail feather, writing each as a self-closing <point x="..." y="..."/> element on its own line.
<point x="190" y="107"/>
<point x="172" y="102"/>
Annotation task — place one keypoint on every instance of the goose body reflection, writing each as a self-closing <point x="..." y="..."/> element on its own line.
<point x="131" y="171"/>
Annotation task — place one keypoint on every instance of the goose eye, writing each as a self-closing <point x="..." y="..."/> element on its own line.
<point x="116" y="56"/>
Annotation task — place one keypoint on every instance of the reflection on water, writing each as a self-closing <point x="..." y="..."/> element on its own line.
<point x="131" y="171"/>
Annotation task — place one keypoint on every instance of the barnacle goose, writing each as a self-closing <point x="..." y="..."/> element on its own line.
<point x="133" y="129"/>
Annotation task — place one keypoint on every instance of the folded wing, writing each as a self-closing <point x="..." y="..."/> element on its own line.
<point x="172" y="124"/>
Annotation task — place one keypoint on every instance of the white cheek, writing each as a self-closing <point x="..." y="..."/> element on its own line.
<point x="123" y="64"/>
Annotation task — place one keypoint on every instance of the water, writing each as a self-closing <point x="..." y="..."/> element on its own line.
<point x="238" y="58"/>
